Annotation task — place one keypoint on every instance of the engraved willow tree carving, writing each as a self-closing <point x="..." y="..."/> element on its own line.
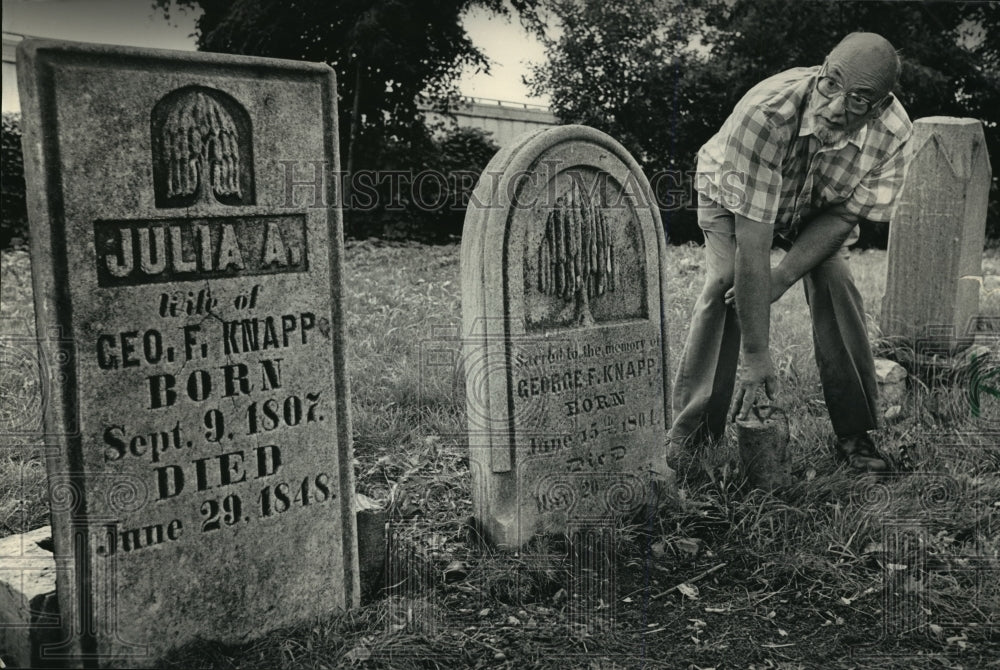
<point x="201" y="149"/>
<point x="576" y="260"/>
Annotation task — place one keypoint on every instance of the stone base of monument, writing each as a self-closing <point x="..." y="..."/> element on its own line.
<point x="891" y="379"/>
<point x="29" y="615"/>
<point x="940" y="383"/>
<point x="29" y="610"/>
<point x="940" y="365"/>
<point x="508" y="524"/>
<point x="371" y="518"/>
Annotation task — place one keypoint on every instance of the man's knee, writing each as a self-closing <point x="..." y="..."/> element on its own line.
<point x="716" y="285"/>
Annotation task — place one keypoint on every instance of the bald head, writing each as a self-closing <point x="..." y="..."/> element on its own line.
<point x="865" y="61"/>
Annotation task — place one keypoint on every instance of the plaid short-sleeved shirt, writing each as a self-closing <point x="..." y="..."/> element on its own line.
<point x="766" y="164"/>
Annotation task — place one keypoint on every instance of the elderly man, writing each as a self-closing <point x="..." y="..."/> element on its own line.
<point x="804" y="156"/>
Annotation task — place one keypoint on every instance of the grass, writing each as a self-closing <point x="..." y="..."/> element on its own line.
<point x="23" y="495"/>
<point x="835" y="572"/>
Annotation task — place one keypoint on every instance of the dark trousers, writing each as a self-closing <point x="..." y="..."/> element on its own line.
<point x="706" y="376"/>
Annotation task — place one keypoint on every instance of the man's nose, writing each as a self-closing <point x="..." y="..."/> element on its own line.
<point x="838" y="104"/>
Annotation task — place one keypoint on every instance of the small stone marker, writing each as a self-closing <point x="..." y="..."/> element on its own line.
<point x="763" y="447"/>
<point x="891" y="379"/>
<point x="200" y="457"/>
<point x="937" y="232"/>
<point x="28" y="611"/>
<point x="563" y="312"/>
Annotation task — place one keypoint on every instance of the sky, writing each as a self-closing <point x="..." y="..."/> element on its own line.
<point x="135" y="23"/>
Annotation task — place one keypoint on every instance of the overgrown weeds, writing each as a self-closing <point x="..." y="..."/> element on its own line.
<point x="835" y="571"/>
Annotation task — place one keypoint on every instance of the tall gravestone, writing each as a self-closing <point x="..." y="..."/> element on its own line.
<point x="199" y="441"/>
<point x="937" y="232"/>
<point x="565" y="358"/>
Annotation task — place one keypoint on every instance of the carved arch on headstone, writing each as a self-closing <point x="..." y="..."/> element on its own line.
<point x="584" y="263"/>
<point x="202" y="149"/>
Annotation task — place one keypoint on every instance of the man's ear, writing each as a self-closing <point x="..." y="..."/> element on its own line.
<point x="882" y="105"/>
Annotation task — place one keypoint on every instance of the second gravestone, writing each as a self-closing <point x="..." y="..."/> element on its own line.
<point x="563" y="293"/>
<point x="200" y="466"/>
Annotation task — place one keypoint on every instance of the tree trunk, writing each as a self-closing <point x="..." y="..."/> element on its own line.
<point x="583" y="314"/>
<point x="352" y="141"/>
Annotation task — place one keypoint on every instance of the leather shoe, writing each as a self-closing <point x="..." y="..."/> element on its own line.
<point x="858" y="452"/>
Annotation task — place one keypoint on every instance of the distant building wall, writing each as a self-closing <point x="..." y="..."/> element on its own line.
<point x="11" y="102"/>
<point x="505" y="120"/>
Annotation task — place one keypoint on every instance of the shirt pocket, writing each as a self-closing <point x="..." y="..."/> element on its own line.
<point x="838" y="175"/>
<point x="833" y="193"/>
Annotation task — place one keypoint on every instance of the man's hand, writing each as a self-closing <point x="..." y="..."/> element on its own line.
<point x="820" y="237"/>
<point x="779" y="286"/>
<point x="756" y="374"/>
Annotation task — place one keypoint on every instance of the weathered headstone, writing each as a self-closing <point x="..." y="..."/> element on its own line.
<point x="937" y="233"/>
<point x="200" y="462"/>
<point x="563" y="314"/>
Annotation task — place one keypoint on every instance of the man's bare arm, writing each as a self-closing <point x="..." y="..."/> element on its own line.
<point x="752" y="277"/>
<point x="820" y="238"/>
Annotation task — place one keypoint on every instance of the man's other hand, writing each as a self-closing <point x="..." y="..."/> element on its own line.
<point x="778" y="288"/>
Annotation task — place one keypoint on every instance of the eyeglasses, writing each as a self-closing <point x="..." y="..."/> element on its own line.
<point x="855" y="103"/>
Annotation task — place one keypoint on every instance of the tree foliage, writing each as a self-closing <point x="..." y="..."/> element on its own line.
<point x="422" y="187"/>
<point x="615" y="65"/>
<point x="386" y="53"/>
<point x="13" y="209"/>
<point x="661" y="77"/>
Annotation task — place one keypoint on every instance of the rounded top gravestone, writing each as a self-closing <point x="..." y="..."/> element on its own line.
<point x="563" y="313"/>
